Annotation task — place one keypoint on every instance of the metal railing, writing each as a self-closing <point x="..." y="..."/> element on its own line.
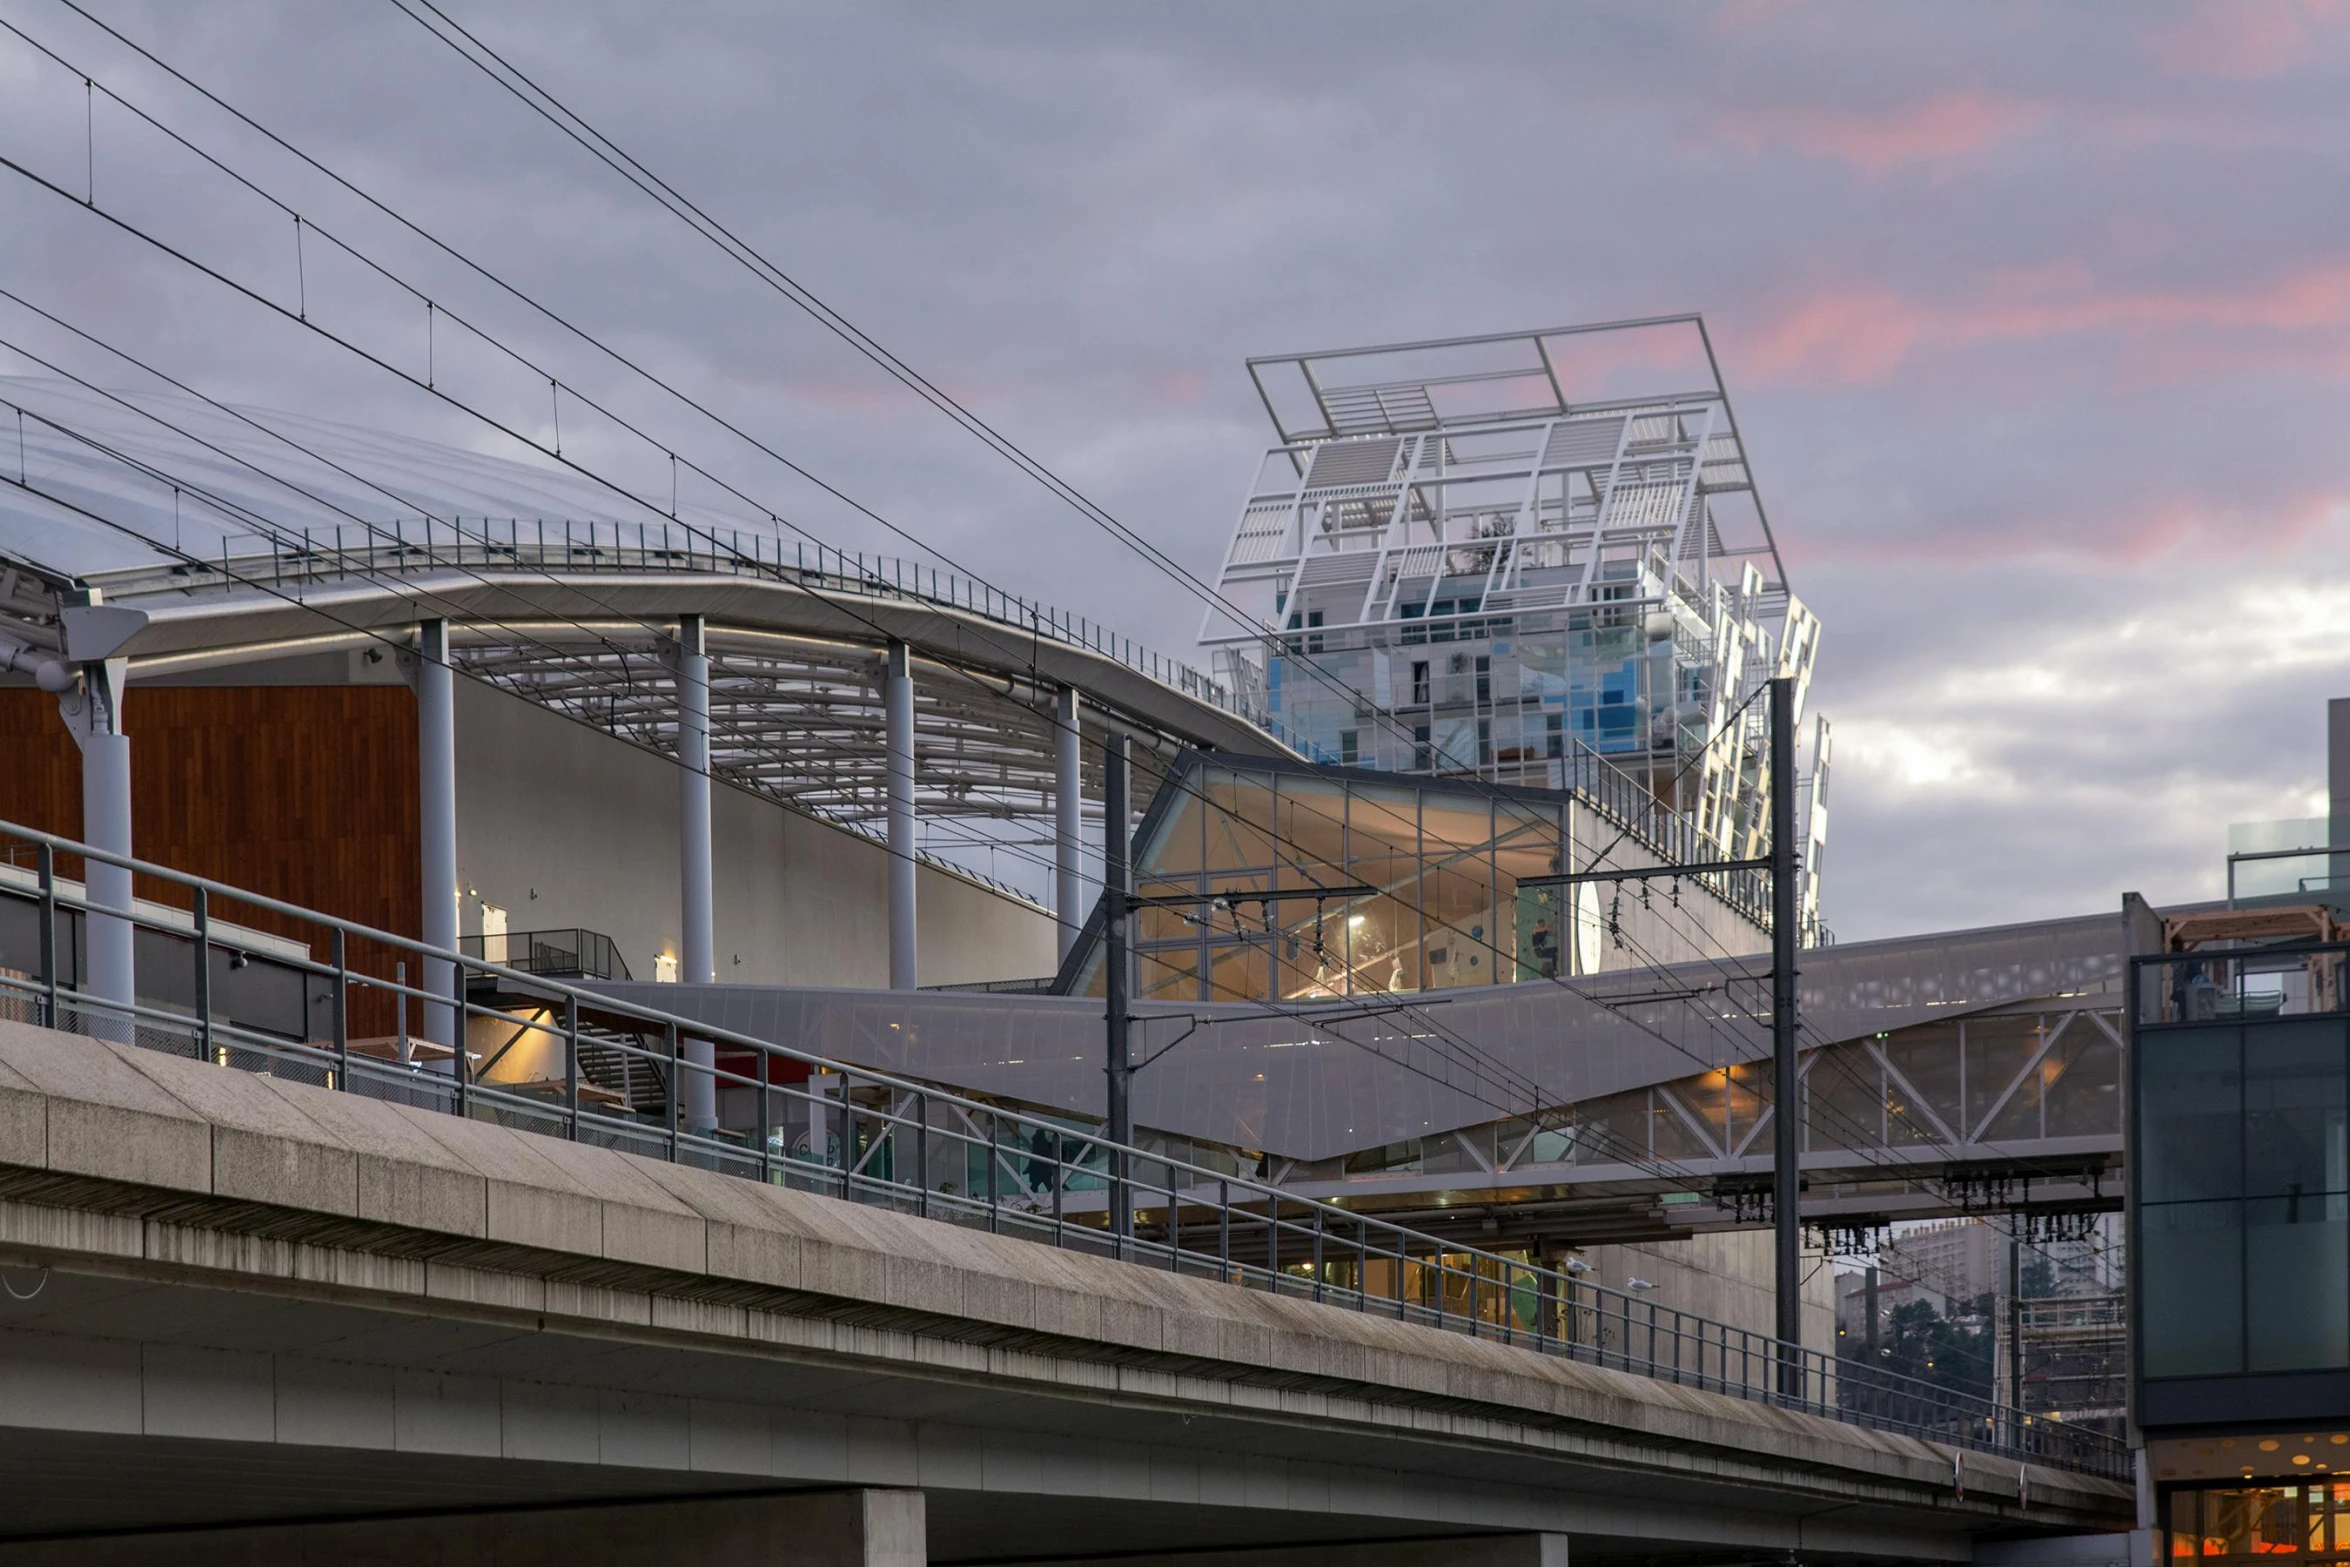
<point x="586" y="953"/>
<point x="544" y="1056"/>
<point x="288" y="559"/>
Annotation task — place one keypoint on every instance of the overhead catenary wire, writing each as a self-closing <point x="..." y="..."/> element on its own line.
<point x="301" y="312"/>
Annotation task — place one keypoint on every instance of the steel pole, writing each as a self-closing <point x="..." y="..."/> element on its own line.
<point x="898" y="702"/>
<point x="1787" y="1117"/>
<point x="1116" y="890"/>
<point x="106" y="824"/>
<point x="698" y="940"/>
<point x="436" y="820"/>
<point x="1068" y="822"/>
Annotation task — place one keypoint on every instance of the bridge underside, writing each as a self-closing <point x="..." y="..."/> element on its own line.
<point x="237" y="1300"/>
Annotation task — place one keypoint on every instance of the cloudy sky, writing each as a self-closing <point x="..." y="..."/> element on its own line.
<point x="2036" y="318"/>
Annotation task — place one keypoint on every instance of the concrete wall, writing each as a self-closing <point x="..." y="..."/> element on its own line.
<point x="561" y="825"/>
<point x="1726" y="1275"/>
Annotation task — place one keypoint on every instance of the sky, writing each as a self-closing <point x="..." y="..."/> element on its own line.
<point x="2036" y="318"/>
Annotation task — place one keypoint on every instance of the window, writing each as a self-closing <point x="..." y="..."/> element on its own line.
<point x="1555" y="736"/>
<point x="1313" y="620"/>
<point x="1349" y="746"/>
<point x="1484" y="740"/>
<point x="1484" y="681"/>
<point x="1420" y="683"/>
<point x="1423" y="757"/>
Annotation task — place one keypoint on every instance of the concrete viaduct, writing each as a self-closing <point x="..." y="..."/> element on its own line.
<point x="251" y="1320"/>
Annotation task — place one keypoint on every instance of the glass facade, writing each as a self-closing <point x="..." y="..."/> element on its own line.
<point x="2258" y="1523"/>
<point x="2241" y="1166"/>
<point x="1438" y="873"/>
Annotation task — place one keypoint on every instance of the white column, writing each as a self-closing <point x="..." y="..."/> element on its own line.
<point x="898" y="703"/>
<point x="436" y="821"/>
<point x="699" y="955"/>
<point x="106" y="824"/>
<point x="1068" y="823"/>
<point x="92" y="708"/>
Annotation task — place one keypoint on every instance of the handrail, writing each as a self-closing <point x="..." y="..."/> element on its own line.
<point x="402" y="545"/>
<point x="877" y="1137"/>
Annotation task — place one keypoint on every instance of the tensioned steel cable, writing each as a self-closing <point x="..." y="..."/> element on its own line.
<point x="543" y="103"/>
<point x="524" y="297"/>
<point x="301" y="316"/>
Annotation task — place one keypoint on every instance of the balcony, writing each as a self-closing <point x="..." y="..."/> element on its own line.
<point x="555" y="954"/>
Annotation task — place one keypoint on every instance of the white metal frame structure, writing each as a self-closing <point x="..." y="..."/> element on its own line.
<point x="1455" y="561"/>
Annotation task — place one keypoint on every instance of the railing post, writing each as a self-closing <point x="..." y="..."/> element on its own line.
<point x="458" y="1072"/>
<point x="1320" y="1225"/>
<point x="400" y="1008"/>
<point x="994" y="1163"/>
<point x="763" y="1067"/>
<point x="571" y="1067"/>
<point x="1224" y="1230"/>
<point x="922" y="1155"/>
<point x="669" y="1038"/>
<point x="342" y="1010"/>
<point x="203" y="924"/>
<point x="48" y="865"/>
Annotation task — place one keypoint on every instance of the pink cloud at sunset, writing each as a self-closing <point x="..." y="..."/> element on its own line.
<point x="2245" y="41"/>
<point x="1865" y="334"/>
<point x="1939" y="130"/>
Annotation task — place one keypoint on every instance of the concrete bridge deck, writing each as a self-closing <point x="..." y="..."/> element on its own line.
<point x="236" y="1300"/>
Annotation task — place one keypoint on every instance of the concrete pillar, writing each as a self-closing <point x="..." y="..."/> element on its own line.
<point x="436" y="821"/>
<point x="869" y="1528"/>
<point x="1068" y="823"/>
<point x="698" y="956"/>
<point x="898" y="703"/>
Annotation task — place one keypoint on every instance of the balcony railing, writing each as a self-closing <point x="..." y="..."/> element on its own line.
<point x="558" y="954"/>
<point x="545" y="1056"/>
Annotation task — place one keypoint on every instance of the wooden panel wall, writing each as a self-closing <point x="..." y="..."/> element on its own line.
<point x="305" y="793"/>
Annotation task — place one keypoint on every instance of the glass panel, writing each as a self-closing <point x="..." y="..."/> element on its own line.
<point x="2081" y="1079"/>
<point x="1704" y="1098"/>
<point x="1174" y="847"/>
<point x="1383" y="837"/>
<point x="1670" y="1136"/>
<point x="1239" y="821"/>
<point x="2293" y="1110"/>
<point x="1749" y="1097"/>
<point x="1927" y="1056"/>
<point x="2297" y="1282"/>
<point x="1846" y="1090"/>
<point x="1456" y="893"/>
<point x="1383" y="940"/>
<point x="1310" y="833"/>
<point x="1997" y="1049"/>
<point x="2191" y="1285"/>
<point x="1239" y="972"/>
<point x="1527" y="844"/>
<point x="2190" y="1114"/>
<point x="1171" y="975"/>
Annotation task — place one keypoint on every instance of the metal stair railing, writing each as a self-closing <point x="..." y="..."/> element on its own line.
<point x="796" y="1119"/>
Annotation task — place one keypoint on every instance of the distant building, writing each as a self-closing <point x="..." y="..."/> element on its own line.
<point x="1514" y="558"/>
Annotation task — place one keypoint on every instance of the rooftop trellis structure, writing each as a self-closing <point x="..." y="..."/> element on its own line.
<point x="1489" y="556"/>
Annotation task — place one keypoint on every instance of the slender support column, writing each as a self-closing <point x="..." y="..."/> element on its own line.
<point x="1787" y="1108"/>
<point x="2338" y="794"/>
<point x="436" y="820"/>
<point x="898" y="700"/>
<point x="1068" y="823"/>
<point x="95" y="634"/>
<point x="94" y="714"/>
<point x="1117" y="888"/>
<point x="699" y="965"/>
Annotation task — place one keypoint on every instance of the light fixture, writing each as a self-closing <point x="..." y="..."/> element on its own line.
<point x="1356" y="919"/>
